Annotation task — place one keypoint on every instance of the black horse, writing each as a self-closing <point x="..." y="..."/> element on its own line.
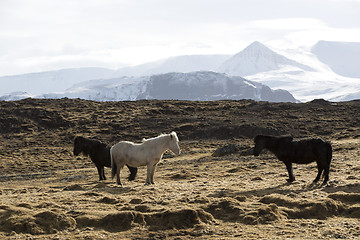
<point x="302" y="152"/>
<point x="99" y="153"/>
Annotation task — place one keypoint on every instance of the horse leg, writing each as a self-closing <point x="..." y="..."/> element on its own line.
<point x="320" y="170"/>
<point x="326" y="174"/>
<point x="100" y="171"/>
<point x="290" y="172"/>
<point x="133" y="172"/>
<point x="152" y="174"/>
<point x="327" y="160"/>
<point x="103" y="173"/>
<point x="118" y="170"/>
<point x="150" y="168"/>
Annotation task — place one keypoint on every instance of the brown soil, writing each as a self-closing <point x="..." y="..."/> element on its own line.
<point x="47" y="193"/>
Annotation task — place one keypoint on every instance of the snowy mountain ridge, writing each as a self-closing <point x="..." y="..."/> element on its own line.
<point x="50" y="81"/>
<point x="201" y="85"/>
<point x="257" y="58"/>
<point x="306" y="73"/>
<point x="321" y="82"/>
<point x="342" y="57"/>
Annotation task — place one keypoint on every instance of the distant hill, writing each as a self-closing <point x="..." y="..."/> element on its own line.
<point x="209" y="86"/>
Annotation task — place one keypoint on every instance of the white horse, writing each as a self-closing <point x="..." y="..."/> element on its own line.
<point x="148" y="153"/>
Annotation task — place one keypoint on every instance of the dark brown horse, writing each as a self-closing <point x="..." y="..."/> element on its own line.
<point x="302" y="152"/>
<point x="99" y="153"/>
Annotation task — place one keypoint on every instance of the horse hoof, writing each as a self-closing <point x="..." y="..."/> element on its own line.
<point x="324" y="184"/>
<point x="290" y="180"/>
<point x="312" y="184"/>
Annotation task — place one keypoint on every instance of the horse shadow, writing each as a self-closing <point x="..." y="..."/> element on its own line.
<point x="349" y="188"/>
<point x="96" y="186"/>
<point x="280" y="189"/>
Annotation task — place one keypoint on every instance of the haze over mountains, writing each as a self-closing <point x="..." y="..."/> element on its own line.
<point x="306" y="74"/>
<point x="184" y="64"/>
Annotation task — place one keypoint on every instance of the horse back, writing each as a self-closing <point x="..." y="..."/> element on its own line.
<point x="121" y="150"/>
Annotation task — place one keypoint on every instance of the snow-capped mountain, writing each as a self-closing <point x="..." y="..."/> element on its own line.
<point x="257" y="58"/>
<point x="306" y="73"/>
<point x="278" y="71"/>
<point x="184" y="64"/>
<point x="342" y="57"/>
<point x="348" y="97"/>
<point x="202" y="85"/>
<point x="306" y="86"/>
<point x="50" y="81"/>
<point x="14" y="96"/>
<point x="115" y="89"/>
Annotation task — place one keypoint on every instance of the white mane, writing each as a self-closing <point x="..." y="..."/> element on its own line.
<point x="174" y="135"/>
<point x="144" y="140"/>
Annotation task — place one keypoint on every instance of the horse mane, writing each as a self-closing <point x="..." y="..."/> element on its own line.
<point x="145" y="140"/>
<point x="282" y="137"/>
<point x="285" y="138"/>
<point x="172" y="134"/>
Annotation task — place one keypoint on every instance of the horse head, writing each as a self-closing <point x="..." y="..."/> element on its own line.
<point x="78" y="148"/>
<point x="174" y="143"/>
<point x="259" y="144"/>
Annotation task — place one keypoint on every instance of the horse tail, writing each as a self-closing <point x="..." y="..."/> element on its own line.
<point x="329" y="152"/>
<point x="113" y="164"/>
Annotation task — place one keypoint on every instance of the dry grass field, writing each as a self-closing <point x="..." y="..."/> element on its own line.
<point x="48" y="193"/>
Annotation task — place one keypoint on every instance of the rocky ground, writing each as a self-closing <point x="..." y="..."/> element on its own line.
<point x="47" y="193"/>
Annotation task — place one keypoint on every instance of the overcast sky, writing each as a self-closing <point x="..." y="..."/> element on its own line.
<point x="40" y="35"/>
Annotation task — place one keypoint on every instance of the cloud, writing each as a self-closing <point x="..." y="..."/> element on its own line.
<point x="293" y="24"/>
<point x="39" y="34"/>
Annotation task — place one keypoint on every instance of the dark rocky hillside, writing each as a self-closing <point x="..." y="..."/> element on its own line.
<point x="44" y="124"/>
